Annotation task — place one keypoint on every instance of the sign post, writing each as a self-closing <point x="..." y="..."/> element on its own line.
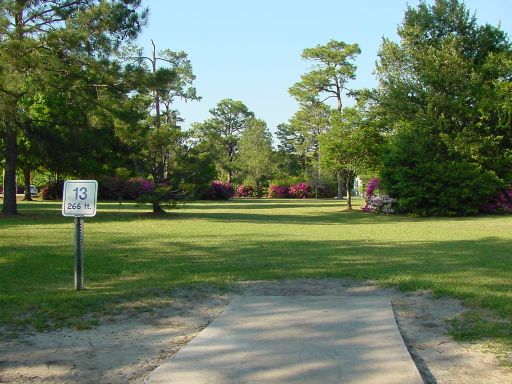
<point x="79" y="200"/>
<point x="79" y="253"/>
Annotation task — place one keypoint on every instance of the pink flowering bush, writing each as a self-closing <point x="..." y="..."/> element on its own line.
<point x="373" y="185"/>
<point x="502" y="203"/>
<point x="138" y="186"/>
<point x="220" y="190"/>
<point x="376" y="200"/>
<point x="277" y="191"/>
<point x="245" y="191"/>
<point x="300" y="191"/>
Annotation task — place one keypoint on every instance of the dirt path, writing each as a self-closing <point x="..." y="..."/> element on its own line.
<point x="126" y="348"/>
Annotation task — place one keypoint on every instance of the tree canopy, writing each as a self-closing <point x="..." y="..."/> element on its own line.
<point x="222" y="133"/>
<point x="441" y="90"/>
<point x="332" y="69"/>
<point x="62" y="48"/>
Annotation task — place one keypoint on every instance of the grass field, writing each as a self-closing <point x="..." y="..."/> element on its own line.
<point x="133" y="258"/>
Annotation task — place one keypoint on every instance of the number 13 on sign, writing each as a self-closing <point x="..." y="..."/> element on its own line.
<point x="79" y="198"/>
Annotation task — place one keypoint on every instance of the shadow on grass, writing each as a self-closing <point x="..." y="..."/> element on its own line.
<point x="313" y="213"/>
<point x="477" y="270"/>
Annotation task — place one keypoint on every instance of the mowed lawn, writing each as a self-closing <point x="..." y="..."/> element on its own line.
<point x="134" y="258"/>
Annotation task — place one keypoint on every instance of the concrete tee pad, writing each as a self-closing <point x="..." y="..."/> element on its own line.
<point x="295" y="339"/>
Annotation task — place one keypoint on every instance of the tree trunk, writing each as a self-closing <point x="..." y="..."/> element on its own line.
<point x="230" y="176"/>
<point x="340" y="185"/>
<point x="26" y="177"/>
<point x="349" y="193"/>
<point x="9" y="206"/>
<point x="157" y="208"/>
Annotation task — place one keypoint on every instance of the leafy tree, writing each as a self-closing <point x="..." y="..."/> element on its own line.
<point x="254" y="158"/>
<point x="426" y="185"/>
<point x="222" y="133"/>
<point x="350" y="147"/>
<point x="290" y="159"/>
<point x="165" y="83"/>
<point x="287" y="163"/>
<point x="445" y="79"/>
<point x="300" y="136"/>
<point x="74" y="133"/>
<point x="54" y="42"/>
<point x="329" y="76"/>
<point x="159" y="141"/>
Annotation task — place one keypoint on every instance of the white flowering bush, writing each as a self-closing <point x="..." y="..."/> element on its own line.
<point x="381" y="204"/>
<point x="376" y="200"/>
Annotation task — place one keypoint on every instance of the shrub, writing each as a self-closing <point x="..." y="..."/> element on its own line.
<point x="371" y="187"/>
<point x="502" y="203"/>
<point x="138" y="186"/>
<point x="299" y="191"/>
<point x="286" y="181"/>
<point x="376" y="200"/>
<point x="324" y="191"/>
<point x="380" y="204"/>
<point x="277" y="191"/>
<point x="220" y="190"/>
<point x="425" y="183"/>
<point x="53" y="190"/>
<point x="164" y="194"/>
<point x="113" y="187"/>
<point x="245" y="191"/>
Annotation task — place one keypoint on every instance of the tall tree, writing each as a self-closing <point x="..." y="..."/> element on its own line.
<point x="299" y="138"/>
<point x="350" y="148"/>
<point x="442" y="83"/>
<point x="254" y="158"/>
<point x="333" y="68"/>
<point x="309" y="123"/>
<point x="288" y="161"/>
<point x="329" y="76"/>
<point x="160" y="142"/>
<point x="223" y="131"/>
<point x="43" y="41"/>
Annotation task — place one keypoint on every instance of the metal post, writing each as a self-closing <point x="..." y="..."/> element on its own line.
<point x="79" y="253"/>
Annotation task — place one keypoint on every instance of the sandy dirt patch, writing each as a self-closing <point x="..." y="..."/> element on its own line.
<point x="127" y="347"/>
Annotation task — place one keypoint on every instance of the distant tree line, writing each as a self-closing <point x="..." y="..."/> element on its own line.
<point x="78" y="99"/>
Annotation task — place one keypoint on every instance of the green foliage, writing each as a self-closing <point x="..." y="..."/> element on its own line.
<point x="221" y="133"/>
<point x="254" y="158"/>
<point x="52" y="190"/>
<point x="149" y="127"/>
<point x="426" y="184"/>
<point x="328" y="77"/>
<point x="194" y="173"/>
<point x="61" y="54"/>
<point x="350" y="148"/>
<point x="443" y="83"/>
<point x="299" y="146"/>
<point x="352" y="144"/>
<point x="286" y="180"/>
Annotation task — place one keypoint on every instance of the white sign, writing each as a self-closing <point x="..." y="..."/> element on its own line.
<point x="79" y="198"/>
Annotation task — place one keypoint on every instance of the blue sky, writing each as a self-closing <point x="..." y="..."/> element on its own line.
<point x="249" y="50"/>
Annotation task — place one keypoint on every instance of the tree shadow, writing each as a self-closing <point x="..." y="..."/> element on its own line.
<point x="312" y="213"/>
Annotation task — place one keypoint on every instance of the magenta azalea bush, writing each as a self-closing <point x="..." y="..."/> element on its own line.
<point x="297" y="191"/>
<point x="245" y="191"/>
<point x="376" y="200"/>
<point x="278" y="191"/>
<point x="221" y="190"/>
<point x="138" y="186"/>
<point x="502" y="203"/>
<point x="373" y="185"/>
<point x="300" y="191"/>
